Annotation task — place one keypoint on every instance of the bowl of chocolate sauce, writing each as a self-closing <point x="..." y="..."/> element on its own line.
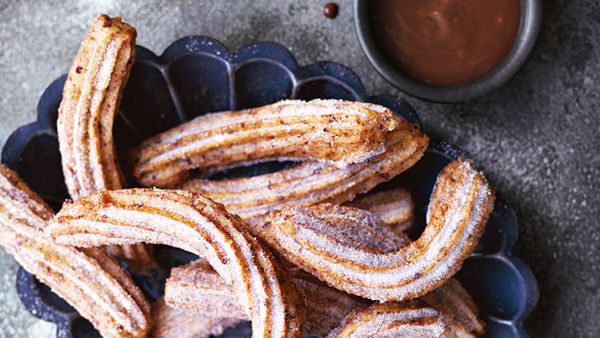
<point x="448" y="50"/>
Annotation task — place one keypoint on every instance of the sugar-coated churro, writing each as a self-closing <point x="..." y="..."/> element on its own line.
<point x="91" y="281"/>
<point x="172" y="322"/>
<point x="86" y="115"/>
<point x="194" y="223"/>
<point x="394" y="319"/>
<point x="315" y="182"/>
<point x="340" y="132"/>
<point x="393" y="207"/>
<point x="447" y="312"/>
<point x="458" y="307"/>
<point x="89" y="103"/>
<point x="197" y="288"/>
<point x="458" y="212"/>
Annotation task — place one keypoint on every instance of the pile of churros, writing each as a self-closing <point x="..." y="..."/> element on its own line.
<point x="305" y="250"/>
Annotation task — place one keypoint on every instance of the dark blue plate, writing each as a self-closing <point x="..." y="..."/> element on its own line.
<point x="196" y="75"/>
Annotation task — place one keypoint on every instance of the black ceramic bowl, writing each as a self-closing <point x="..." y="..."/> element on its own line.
<point x="198" y="75"/>
<point x="531" y="20"/>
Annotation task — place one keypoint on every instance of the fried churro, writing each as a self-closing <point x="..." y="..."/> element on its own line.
<point x="91" y="281"/>
<point x="197" y="288"/>
<point x="459" y="208"/>
<point x="171" y="322"/>
<point x="315" y="182"/>
<point x="458" y="307"/>
<point x="86" y="115"/>
<point x="448" y="311"/>
<point x="340" y="132"/>
<point x="89" y="103"/>
<point x="197" y="291"/>
<point x="394" y="319"/>
<point x="194" y="223"/>
<point x="326" y="306"/>
<point x="393" y="207"/>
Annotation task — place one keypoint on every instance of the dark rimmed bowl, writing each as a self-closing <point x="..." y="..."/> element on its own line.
<point x="531" y="20"/>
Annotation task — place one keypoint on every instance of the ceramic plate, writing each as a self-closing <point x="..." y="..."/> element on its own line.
<point x="197" y="75"/>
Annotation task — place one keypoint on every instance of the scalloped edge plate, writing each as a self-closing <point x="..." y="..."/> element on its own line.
<point x="495" y="247"/>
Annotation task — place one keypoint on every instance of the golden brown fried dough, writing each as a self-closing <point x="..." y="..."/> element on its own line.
<point x="448" y="311"/>
<point x="351" y="226"/>
<point x="338" y="131"/>
<point x="315" y="182"/>
<point x="461" y="313"/>
<point x="92" y="282"/>
<point x="395" y="319"/>
<point x="459" y="208"/>
<point x="197" y="288"/>
<point x="393" y="207"/>
<point x="326" y="306"/>
<point x="194" y="223"/>
<point x="90" y="101"/>
<point x="86" y="115"/>
<point x="197" y="291"/>
<point x="184" y="323"/>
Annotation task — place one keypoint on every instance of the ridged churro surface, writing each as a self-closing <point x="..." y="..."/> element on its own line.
<point x="459" y="208"/>
<point x="91" y="281"/>
<point x="393" y="207"/>
<point x="394" y="319"/>
<point x="86" y="115"/>
<point x="315" y="182"/>
<point x="340" y="132"/>
<point x="172" y="322"/>
<point x="197" y="288"/>
<point x="194" y="223"/>
<point x="90" y="100"/>
<point x="448" y="312"/>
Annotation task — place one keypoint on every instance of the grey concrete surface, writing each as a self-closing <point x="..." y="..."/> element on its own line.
<point x="537" y="138"/>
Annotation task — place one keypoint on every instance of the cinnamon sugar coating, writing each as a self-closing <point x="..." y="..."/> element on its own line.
<point x="459" y="208"/>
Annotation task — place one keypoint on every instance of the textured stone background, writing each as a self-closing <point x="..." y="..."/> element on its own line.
<point x="538" y="137"/>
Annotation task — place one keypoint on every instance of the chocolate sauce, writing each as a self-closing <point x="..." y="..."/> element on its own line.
<point x="331" y="10"/>
<point x="445" y="42"/>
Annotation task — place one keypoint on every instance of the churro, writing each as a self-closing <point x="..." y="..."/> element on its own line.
<point x="459" y="208"/>
<point x="90" y="100"/>
<point x="86" y="115"/>
<point x="394" y="319"/>
<point x="194" y="223"/>
<point x="393" y="207"/>
<point x="197" y="288"/>
<point x="458" y="307"/>
<point x="448" y="311"/>
<point x="315" y="182"/>
<point x="341" y="132"/>
<point x="171" y="322"/>
<point x="91" y="281"/>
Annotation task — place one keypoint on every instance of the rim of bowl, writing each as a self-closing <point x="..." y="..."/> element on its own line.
<point x="525" y="41"/>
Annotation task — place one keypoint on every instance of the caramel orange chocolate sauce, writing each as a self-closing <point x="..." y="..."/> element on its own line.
<point x="445" y="42"/>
